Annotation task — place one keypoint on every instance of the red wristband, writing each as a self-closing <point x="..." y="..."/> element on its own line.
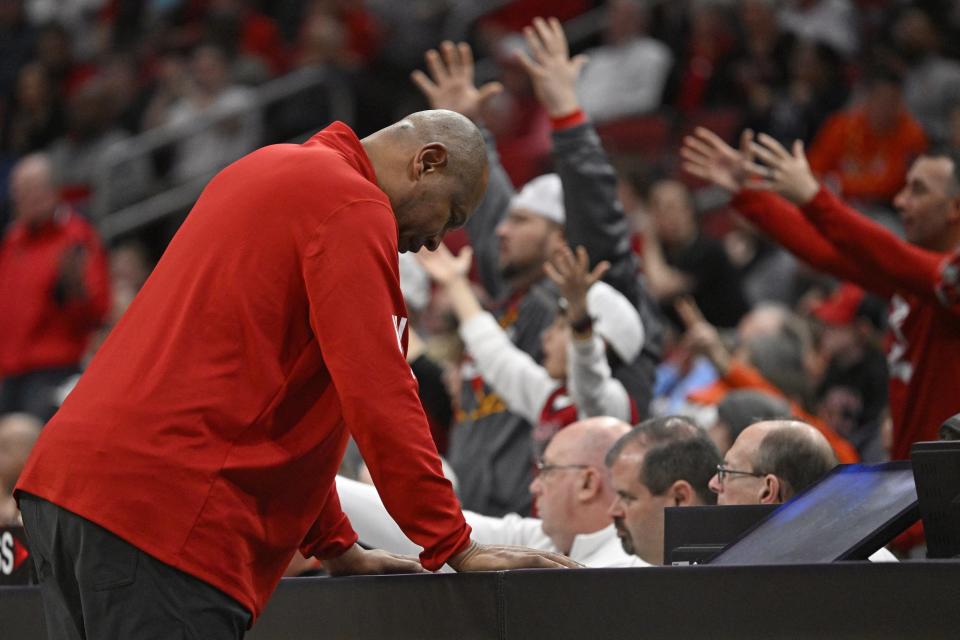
<point x="569" y="120"/>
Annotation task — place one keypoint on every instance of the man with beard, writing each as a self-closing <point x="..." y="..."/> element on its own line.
<point x="663" y="462"/>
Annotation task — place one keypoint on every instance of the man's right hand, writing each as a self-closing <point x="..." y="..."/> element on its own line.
<point x="708" y="157"/>
<point x="573" y="277"/>
<point x="490" y="557"/>
<point x="551" y="69"/>
<point x="450" y="84"/>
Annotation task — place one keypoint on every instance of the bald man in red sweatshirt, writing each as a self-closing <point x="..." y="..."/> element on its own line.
<point x="198" y="451"/>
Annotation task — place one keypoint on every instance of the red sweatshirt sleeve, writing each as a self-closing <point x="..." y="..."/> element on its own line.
<point x="788" y="225"/>
<point x="331" y="534"/>
<point x="905" y="266"/>
<point x="356" y="309"/>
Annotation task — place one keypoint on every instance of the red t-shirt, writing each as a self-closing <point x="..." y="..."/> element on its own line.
<point x="37" y="331"/>
<point x="209" y="427"/>
<point x="924" y="341"/>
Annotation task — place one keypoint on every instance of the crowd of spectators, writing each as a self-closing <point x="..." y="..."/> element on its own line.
<point x="617" y="283"/>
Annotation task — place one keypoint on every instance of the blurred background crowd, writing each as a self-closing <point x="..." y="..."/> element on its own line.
<point x="115" y="113"/>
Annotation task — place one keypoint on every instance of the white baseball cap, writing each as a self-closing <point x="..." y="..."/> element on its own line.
<point x="542" y="196"/>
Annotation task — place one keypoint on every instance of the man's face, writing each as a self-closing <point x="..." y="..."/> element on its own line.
<point x="434" y="206"/>
<point x="33" y="196"/>
<point x="525" y="241"/>
<point x="926" y="203"/>
<point x="554" y="340"/>
<point x="739" y="488"/>
<point x="554" y="489"/>
<point x="637" y="513"/>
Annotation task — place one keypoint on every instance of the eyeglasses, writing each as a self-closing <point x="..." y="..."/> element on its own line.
<point x="723" y="472"/>
<point x="543" y="467"/>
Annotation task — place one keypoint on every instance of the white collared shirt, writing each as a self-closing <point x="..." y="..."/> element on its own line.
<point x="377" y="529"/>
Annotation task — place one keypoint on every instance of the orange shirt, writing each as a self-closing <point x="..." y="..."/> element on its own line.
<point x="744" y="376"/>
<point x="869" y="165"/>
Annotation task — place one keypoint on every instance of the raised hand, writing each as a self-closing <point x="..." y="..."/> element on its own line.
<point x="492" y="557"/>
<point x="443" y="267"/>
<point x="786" y="173"/>
<point x="572" y="276"/>
<point x="450" y="84"/>
<point x="701" y="336"/>
<point x="553" y="72"/>
<point x="706" y="156"/>
<point x="357" y="561"/>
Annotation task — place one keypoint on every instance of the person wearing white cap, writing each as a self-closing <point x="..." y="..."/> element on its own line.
<point x="575" y="379"/>
<point x="512" y="235"/>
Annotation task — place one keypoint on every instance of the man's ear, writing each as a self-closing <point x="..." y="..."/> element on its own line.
<point x="771" y="490"/>
<point x="589" y="485"/>
<point x="431" y="158"/>
<point x="682" y="494"/>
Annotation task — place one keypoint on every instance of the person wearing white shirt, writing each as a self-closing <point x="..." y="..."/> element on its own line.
<point x="571" y="492"/>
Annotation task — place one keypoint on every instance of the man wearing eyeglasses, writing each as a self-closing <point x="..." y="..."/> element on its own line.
<point x="571" y="491"/>
<point x="772" y="461"/>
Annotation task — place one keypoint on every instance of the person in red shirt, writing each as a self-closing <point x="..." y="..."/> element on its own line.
<point x="919" y="276"/>
<point x="54" y="292"/>
<point x="198" y="451"/>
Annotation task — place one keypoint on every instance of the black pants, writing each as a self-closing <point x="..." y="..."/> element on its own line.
<point x="95" y="585"/>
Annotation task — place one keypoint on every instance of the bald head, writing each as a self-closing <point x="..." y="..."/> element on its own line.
<point x="783" y="456"/>
<point x="795" y="452"/>
<point x="572" y="490"/>
<point x="592" y="438"/>
<point x="467" y="153"/>
<point x="432" y="165"/>
<point x="32" y="190"/>
<point x="18" y="433"/>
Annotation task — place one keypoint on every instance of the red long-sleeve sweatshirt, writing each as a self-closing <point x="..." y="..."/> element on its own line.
<point x="38" y="331"/>
<point x="924" y="340"/>
<point x="209" y="427"/>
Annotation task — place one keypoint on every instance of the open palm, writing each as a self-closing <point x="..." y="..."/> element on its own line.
<point x="706" y="156"/>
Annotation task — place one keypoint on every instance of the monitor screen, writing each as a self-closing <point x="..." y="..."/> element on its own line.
<point x="849" y="514"/>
